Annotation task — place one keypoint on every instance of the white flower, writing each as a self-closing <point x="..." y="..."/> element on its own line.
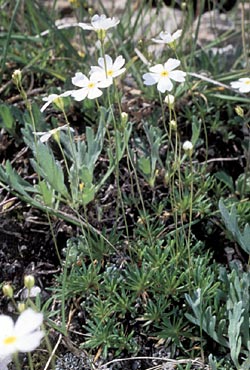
<point x="53" y="98"/>
<point x="90" y="87"/>
<point x="23" y="336"/>
<point x="243" y="84"/>
<point x="99" y="22"/>
<point x="187" y="146"/>
<point x="45" y="136"/>
<point x="167" y="38"/>
<point x="162" y="74"/>
<point x="108" y="69"/>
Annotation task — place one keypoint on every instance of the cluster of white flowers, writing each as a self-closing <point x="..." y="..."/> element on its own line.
<point x="23" y="336"/>
<point x="102" y="76"/>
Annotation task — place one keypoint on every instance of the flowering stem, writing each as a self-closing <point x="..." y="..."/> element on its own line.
<point x="140" y="195"/>
<point x="163" y="114"/>
<point x="30" y="362"/>
<point x="16" y="361"/>
<point x="190" y="220"/>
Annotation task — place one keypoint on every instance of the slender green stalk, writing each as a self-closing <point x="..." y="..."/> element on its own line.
<point x="31" y="366"/>
<point x="140" y="195"/>
<point x="190" y="221"/>
<point x="16" y="361"/>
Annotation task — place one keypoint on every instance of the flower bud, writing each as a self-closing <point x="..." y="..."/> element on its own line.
<point x="183" y="5"/>
<point x="7" y="290"/>
<point x="188" y="147"/>
<point x="90" y="11"/>
<point x="169" y="100"/>
<point x="59" y="103"/>
<point x="21" y="307"/>
<point x="29" y="281"/>
<point x="173" y="124"/>
<point x="17" y="77"/>
<point x="239" y="111"/>
<point x="124" y="118"/>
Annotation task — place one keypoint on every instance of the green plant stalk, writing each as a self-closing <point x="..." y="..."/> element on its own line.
<point x="140" y="195"/>
<point x="247" y="170"/>
<point x="190" y="222"/>
<point x="49" y="347"/>
<point x="16" y="361"/>
<point x="119" y="193"/>
<point x="31" y="367"/>
<point x="163" y="116"/>
<point x="243" y="35"/>
<point x="53" y="237"/>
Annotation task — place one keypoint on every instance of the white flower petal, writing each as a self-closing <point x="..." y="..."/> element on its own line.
<point x="118" y="72"/>
<point x="171" y="64"/>
<point x="236" y="84"/>
<point x="244" y="88"/>
<point x="119" y="62"/>
<point x="44" y="138"/>
<point x="50" y="98"/>
<point x="80" y="94"/>
<point x="94" y="93"/>
<point x="29" y="342"/>
<point x="45" y="105"/>
<point x="6" y="326"/>
<point x="245" y="80"/>
<point x="96" y="69"/>
<point x="176" y="34"/>
<point x="108" y="61"/>
<point x="158" y="68"/>
<point x="150" y="79"/>
<point x="85" y="26"/>
<point x="105" y="82"/>
<point x="80" y="80"/>
<point x="27" y="322"/>
<point x="164" y="85"/>
<point x="177" y="75"/>
<point x="66" y="93"/>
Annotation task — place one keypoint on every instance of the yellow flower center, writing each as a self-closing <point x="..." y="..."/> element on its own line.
<point x="10" y="340"/>
<point x="164" y="73"/>
<point x="91" y="85"/>
<point x="247" y="82"/>
<point x="110" y="73"/>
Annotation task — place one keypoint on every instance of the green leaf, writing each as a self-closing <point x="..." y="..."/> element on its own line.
<point x="230" y="220"/>
<point x="226" y="179"/>
<point x="49" y="169"/>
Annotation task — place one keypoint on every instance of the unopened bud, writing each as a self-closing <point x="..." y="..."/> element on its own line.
<point x="169" y="100"/>
<point x="29" y="281"/>
<point x="124" y="118"/>
<point x="59" y="103"/>
<point x="17" y="77"/>
<point x="239" y="111"/>
<point x="173" y="124"/>
<point x="21" y="307"/>
<point x="183" y="5"/>
<point x="188" y="147"/>
<point x="90" y="11"/>
<point x="7" y="290"/>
